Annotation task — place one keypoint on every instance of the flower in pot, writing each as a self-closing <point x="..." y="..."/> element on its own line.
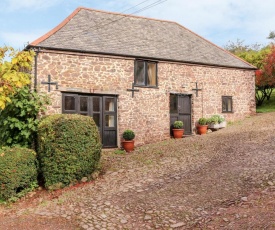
<point x="178" y="130"/>
<point x="202" y="125"/>
<point x="128" y="142"/>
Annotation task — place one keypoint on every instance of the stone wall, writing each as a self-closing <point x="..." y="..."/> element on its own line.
<point x="147" y="113"/>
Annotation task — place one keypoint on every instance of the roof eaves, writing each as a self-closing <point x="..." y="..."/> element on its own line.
<point x="141" y="57"/>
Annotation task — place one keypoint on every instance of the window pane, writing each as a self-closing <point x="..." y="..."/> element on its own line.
<point x="173" y="103"/>
<point x="110" y="121"/>
<point x="96" y="118"/>
<point x="140" y="73"/>
<point x="96" y="106"/>
<point x="83" y="104"/>
<point x="109" y="104"/>
<point x="152" y="73"/>
<point x="229" y="104"/>
<point x="224" y="104"/>
<point x="69" y="103"/>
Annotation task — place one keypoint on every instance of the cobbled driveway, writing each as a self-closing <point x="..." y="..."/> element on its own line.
<point x="191" y="183"/>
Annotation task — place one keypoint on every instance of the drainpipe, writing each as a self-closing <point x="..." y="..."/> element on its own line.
<point x="35" y="68"/>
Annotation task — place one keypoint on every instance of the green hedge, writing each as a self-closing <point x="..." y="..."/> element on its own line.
<point x="18" y="172"/>
<point x="69" y="148"/>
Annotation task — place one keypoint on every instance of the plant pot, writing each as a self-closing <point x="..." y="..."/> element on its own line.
<point x="223" y="124"/>
<point x="128" y="145"/>
<point x="214" y="127"/>
<point x="178" y="133"/>
<point x="202" y="129"/>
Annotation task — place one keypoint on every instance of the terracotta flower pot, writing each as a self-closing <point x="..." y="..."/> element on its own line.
<point x="128" y="145"/>
<point x="178" y="133"/>
<point x="202" y="129"/>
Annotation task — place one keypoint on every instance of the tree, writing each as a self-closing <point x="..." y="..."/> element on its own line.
<point x="265" y="78"/>
<point x="271" y="35"/>
<point x="253" y="54"/>
<point x="258" y="56"/>
<point x="14" y="74"/>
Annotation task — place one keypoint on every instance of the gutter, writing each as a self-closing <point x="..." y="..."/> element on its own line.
<point x="138" y="57"/>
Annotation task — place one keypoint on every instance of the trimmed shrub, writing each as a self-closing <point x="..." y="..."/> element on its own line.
<point x="128" y="135"/>
<point x="18" y="172"/>
<point x="69" y="148"/>
<point x="203" y="121"/>
<point x="178" y="125"/>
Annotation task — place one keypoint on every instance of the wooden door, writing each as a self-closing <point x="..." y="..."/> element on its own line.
<point x="180" y="109"/>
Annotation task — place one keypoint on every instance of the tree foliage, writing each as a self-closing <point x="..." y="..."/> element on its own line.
<point x="18" y="121"/>
<point x="271" y="35"/>
<point x="265" y="77"/>
<point x="262" y="57"/>
<point x="253" y="54"/>
<point x="13" y="72"/>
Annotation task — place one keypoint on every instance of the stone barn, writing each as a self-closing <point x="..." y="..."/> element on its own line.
<point x="131" y="72"/>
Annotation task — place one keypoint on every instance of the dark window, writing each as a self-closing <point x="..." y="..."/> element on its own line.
<point x="96" y="104"/>
<point x="227" y="106"/>
<point x="83" y="104"/>
<point x="145" y="73"/>
<point x="173" y="103"/>
<point x="69" y="103"/>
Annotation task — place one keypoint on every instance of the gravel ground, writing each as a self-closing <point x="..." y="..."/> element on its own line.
<point x="222" y="180"/>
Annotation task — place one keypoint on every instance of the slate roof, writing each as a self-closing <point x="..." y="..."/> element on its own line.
<point x="96" y="31"/>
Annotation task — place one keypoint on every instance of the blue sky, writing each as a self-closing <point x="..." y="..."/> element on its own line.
<point x="219" y="21"/>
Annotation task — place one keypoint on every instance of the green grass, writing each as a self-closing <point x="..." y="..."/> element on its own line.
<point x="267" y="106"/>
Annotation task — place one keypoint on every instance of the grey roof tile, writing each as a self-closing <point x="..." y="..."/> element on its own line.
<point x="111" y="33"/>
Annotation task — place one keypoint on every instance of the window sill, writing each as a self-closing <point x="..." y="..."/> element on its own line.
<point x="144" y="86"/>
<point x="228" y="112"/>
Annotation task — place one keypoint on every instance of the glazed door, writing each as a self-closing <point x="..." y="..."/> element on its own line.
<point x="109" y="124"/>
<point x="103" y="109"/>
<point x="180" y="109"/>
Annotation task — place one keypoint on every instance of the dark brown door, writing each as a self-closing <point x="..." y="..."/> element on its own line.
<point x="180" y="109"/>
<point x="103" y="109"/>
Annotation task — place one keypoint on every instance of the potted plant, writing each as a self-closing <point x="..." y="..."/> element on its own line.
<point x="128" y="142"/>
<point x="202" y="126"/>
<point x="216" y="122"/>
<point x="213" y="122"/>
<point x="178" y="130"/>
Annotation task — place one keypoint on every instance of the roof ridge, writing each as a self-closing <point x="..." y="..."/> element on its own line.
<point x="126" y="15"/>
<point x="67" y="19"/>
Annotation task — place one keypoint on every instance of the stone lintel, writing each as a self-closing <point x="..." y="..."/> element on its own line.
<point x="81" y="90"/>
<point x="186" y="92"/>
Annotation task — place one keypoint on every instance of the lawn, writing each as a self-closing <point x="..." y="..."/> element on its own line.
<point x="267" y="106"/>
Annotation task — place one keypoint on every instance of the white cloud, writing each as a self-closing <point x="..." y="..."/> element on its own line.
<point x="13" y="5"/>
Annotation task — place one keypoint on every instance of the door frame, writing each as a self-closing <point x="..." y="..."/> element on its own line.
<point x="103" y="113"/>
<point x="175" y="115"/>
